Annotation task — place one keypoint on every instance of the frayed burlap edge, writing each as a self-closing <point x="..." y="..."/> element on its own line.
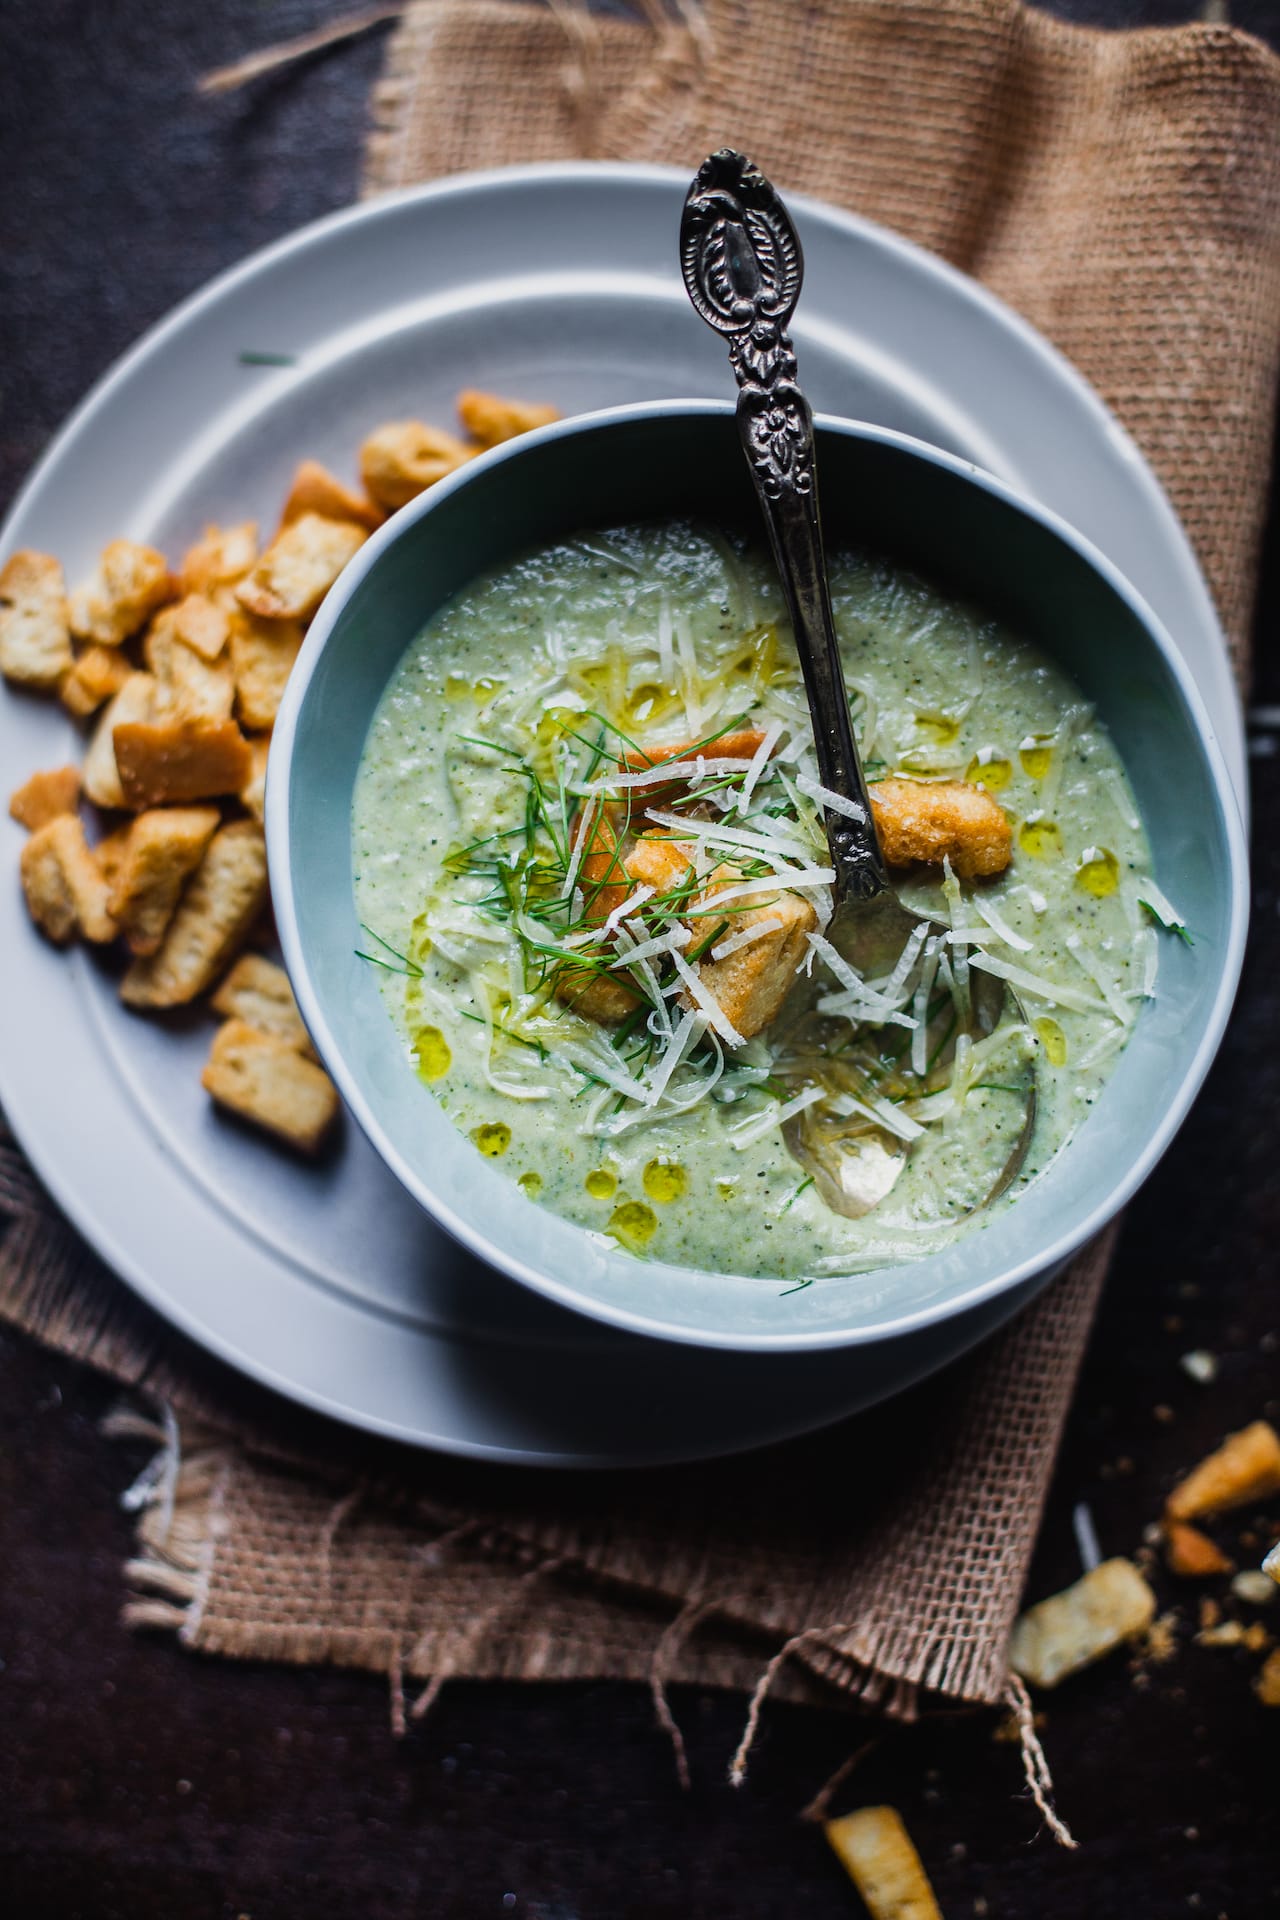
<point x="183" y="1498"/>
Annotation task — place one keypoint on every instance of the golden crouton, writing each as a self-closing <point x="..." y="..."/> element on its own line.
<point x="404" y="458"/>
<point x="66" y="893"/>
<point x="35" y="638"/>
<point x="163" y="848"/>
<point x="44" y="796"/>
<point x="299" y="567"/>
<point x="253" y="795"/>
<point x="262" y="657"/>
<point x="187" y="757"/>
<point x="1110" y="1604"/>
<point x="223" y="899"/>
<point x="187" y="682"/>
<point x="98" y="674"/>
<point x="316" y="490"/>
<point x="130" y="583"/>
<point x="750" y="984"/>
<point x="1192" y="1554"/>
<point x="600" y="872"/>
<point x="1267" y="1684"/>
<point x="491" y="420"/>
<point x="263" y="1079"/>
<point x="201" y="624"/>
<point x="1245" y="1467"/>
<point x="658" y="861"/>
<point x="606" y="998"/>
<point x="744" y="743"/>
<point x="937" y="820"/>
<point x="875" y="1850"/>
<point x="258" y="992"/>
<point x="215" y="564"/>
<point x="100" y="775"/>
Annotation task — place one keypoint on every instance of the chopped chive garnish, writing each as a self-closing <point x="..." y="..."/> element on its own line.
<point x="792" y="1197"/>
<point x="704" y="946"/>
<point x="406" y="964"/>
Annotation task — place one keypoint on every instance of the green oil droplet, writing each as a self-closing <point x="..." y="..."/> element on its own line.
<point x="601" y="1184"/>
<point x="419" y="937"/>
<point x="988" y="769"/>
<point x="1042" y="839"/>
<point x="530" y="1183"/>
<point x="665" y="1180"/>
<point x="1098" y="872"/>
<point x="493" y="1138"/>
<point x="1036" y="755"/>
<point x="431" y="1051"/>
<point x="726" y="1189"/>
<point x="457" y="688"/>
<point x="650" y="703"/>
<point x="1053" y="1040"/>
<point x="938" y="727"/>
<point x="759" y="658"/>
<point x="633" y="1223"/>
<point x="555" y="723"/>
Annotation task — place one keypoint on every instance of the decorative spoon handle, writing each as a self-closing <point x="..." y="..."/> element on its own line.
<point x="743" y="269"/>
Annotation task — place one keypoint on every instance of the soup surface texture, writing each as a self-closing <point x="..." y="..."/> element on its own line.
<point x="575" y="941"/>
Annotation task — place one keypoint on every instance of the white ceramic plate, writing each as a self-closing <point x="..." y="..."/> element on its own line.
<point x="559" y="283"/>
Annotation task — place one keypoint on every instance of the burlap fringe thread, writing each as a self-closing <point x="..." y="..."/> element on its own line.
<point x="283" y="53"/>
<point x="678" y="27"/>
<point x="680" y="34"/>
<point x="180" y="1495"/>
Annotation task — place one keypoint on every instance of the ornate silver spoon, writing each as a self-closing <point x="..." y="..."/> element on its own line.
<point x="743" y="269"/>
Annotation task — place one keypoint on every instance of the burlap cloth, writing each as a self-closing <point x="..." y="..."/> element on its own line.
<point x="1123" y="191"/>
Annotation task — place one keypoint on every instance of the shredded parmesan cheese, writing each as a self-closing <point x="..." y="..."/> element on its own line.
<point x="999" y="925"/>
<point x="1160" y="907"/>
<point x="829" y="801"/>
<point x="1039" y="986"/>
<point x="759" y="759"/>
<point x="708" y="1002"/>
<point x="775" y="844"/>
<point x="747" y="1132"/>
<point x="745" y="936"/>
<point x="1092" y="970"/>
<point x="625" y="910"/>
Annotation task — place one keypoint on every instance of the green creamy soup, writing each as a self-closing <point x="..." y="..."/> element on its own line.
<point x="513" y="778"/>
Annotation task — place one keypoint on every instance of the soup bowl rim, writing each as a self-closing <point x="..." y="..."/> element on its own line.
<point x="469" y="1231"/>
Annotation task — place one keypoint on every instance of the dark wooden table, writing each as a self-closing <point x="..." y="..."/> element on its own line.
<point x="138" y="1781"/>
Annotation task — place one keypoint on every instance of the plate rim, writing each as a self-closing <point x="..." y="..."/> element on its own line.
<point x="265" y="260"/>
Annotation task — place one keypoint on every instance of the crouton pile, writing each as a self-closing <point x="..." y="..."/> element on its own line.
<point x="153" y="845"/>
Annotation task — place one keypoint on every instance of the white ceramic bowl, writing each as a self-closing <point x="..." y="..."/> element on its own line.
<point x="879" y="489"/>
